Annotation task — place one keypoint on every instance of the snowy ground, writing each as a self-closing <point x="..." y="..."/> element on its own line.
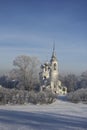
<point x="60" y="115"/>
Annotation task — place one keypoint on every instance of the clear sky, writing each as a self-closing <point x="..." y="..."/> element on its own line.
<point x="29" y="27"/>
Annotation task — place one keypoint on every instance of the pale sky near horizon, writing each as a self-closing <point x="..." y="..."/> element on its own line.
<point x="29" y="27"/>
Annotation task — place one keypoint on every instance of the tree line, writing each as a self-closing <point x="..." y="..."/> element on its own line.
<point x="73" y="82"/>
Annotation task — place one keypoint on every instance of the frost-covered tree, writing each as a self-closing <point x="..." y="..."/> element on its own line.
<point x="70" y="81"/>
<point x="26" y="71"/>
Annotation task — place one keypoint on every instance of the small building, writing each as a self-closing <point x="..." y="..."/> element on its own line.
<point x="49" y="76"/>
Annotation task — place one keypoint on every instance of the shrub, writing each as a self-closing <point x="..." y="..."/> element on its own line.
<point x="14" y="96"/>
<point x="79" y="95"/>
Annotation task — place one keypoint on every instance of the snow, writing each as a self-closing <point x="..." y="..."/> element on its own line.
<point x="61" y="115"/>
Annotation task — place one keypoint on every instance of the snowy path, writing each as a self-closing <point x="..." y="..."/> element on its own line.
<point x="57" y="116"/>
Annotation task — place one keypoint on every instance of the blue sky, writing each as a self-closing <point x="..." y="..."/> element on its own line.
<point x="29" y="27"/>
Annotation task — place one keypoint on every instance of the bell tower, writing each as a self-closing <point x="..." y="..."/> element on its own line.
<point x="49" y="76"/>
<point x="53" y="71"/>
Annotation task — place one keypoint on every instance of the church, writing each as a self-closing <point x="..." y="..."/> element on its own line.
<point x="49" y="76"/>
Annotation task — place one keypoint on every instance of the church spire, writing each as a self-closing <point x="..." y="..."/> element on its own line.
<point x="53" y="53"/>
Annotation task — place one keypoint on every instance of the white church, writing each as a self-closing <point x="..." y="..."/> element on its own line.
<point x="49" y="76"/>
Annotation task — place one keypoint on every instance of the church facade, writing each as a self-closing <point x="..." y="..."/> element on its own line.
<point x="49" y="76"/>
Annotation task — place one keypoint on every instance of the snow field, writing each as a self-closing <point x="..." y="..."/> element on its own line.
<point x="60" y="115"/>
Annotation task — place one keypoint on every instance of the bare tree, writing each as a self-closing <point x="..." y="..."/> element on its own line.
<point x="26" y="71"/>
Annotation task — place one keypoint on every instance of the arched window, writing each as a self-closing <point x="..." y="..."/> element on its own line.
<point x="55" y="66"/>
<point x="45" y="68"/>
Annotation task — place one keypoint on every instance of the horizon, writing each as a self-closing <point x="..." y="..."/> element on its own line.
<point x="31" y="27"/>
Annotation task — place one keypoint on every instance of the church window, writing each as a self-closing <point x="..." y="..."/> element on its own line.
<point x="44" y="77"/>
<point x="54" y="86"/>
<point x="63" y="89"/>
<point x="45" y="68"/>
<point x="55" y="66"/>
